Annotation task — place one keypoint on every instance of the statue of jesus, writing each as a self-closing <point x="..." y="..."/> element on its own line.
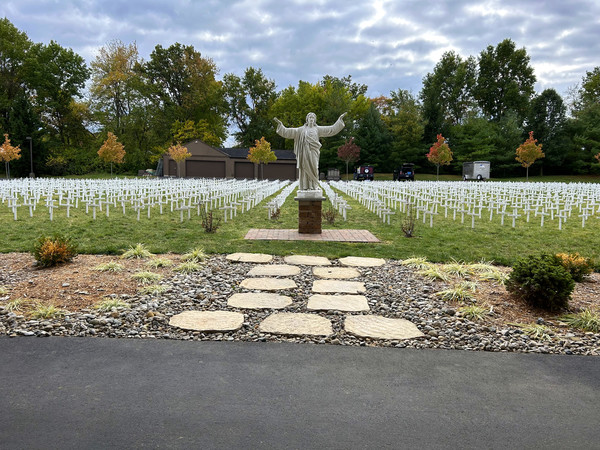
<point x="307" y="147"/>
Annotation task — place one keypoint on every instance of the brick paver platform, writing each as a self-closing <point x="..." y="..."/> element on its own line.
<point x="325" y="235"/>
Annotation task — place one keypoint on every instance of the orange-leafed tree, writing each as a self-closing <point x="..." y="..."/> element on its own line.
<point x="178" y="153"/>
<point x="440" y="154"/>
<point x="261" y="154"/>
<point x="112" y="151"/>
<point x="348" y="152"/>
<point x="529" y="152"/>
<point x="597" y="157"/>
<point x="8" y="152"/>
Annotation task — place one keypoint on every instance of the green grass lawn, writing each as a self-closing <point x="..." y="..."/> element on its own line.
<point x="447" y="239"/>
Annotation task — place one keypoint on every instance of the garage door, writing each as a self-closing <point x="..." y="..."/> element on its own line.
<point x="244" y="170"/>
<point x="205" y="169"/>
<point x="280" y="171"/>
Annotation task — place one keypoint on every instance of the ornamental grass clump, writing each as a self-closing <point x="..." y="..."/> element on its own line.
<point x="434" y="273"/>
<point x="416" y="263"/>
<point x="146" y="277"/>
<point x="578" y="266"/>
<point x="538" y="332"/>
<point x="542" y="281"/>
<point x="197" y="255"/>
<point x="139" y="251"/>
<point x="111" y="266"/>
<point x="459" y="269"/>
<point x="153" y="289"/>
<point x="474" y="313"/>
<point x="157" y="263"/>
<point x="462" y="292"/>
<point x="586" y="320"/>
<point x="47" y="312"/>
<point x="188" y="267"/>
<point x="109" y="304"/>
<point x="51" y="251"/>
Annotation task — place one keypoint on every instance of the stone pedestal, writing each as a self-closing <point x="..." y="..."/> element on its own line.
<point x="309" y="211"/>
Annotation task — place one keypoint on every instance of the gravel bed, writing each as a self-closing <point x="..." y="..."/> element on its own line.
<point x="392" y="291"/>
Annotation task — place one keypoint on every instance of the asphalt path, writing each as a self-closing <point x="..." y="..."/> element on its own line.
<point x="87" y="393"/>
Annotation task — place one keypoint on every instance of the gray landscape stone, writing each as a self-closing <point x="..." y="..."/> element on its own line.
<point x="307" y="260"/>
<point x="259" y="300"/>
<point x="250" y="257"/>
<point x="338" y="287"/>
<point x="268" y="284"/>
<point x="356" y="261"/>
<point x="381" y="327"/>
<point x="208" y="320"/>
<point x="335" y="272"/>
<point x="298" y="324"/>
<point x="350" y="303"/>
<point x="274" y="270"/>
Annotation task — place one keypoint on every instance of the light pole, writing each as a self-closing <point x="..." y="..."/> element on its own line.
<point x="31" y="174"/>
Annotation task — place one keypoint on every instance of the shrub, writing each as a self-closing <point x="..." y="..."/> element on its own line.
<point x="329" y="215"/>
<point x="209" y="223"/>
<point x="578" y="266"/>
<point x="51" y="251"/>
<point x="542" y="281"/>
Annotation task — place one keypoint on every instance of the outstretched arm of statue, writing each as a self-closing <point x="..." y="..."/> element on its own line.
<point x="277" y="121"/>
<point x="342" y="116"/>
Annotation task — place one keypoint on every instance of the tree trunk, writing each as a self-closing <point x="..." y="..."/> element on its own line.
<point x="111" y="169"/>
<point x="346" y="170"/>
<point x="7" y="170"/>
<point x="527" y="173"/>
<point x="437" y="175"/>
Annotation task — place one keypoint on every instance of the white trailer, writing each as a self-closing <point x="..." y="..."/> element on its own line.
<point x="476" y="170"/>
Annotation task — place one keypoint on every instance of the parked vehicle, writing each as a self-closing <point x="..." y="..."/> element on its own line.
<point x="405" y="172"/>
<point x="476" y="170"/>
<point x="364" y="173"/>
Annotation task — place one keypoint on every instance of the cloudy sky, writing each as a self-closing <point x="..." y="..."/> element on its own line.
<point x="386" y="44"/>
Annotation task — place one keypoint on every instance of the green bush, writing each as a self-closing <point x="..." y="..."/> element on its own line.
<point x="542" y="281"/>
<point x="51" y="251"/>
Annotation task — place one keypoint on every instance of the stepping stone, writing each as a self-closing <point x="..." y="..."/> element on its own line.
<point x="356" y="261"/>
<point x="381" y="327"/>
<point x="268" y="284"/>
<point x="250" y="257"/>
<point x="259" y="300"/>
<point x="335" y="272"/>
<point x="348" y="303"/>
<point x="300" y="324"/>
<point x="208" y="320"/>
<point x="307" y="260"/>
<point x="336" y="286"/>
<point x="274" y="270"/>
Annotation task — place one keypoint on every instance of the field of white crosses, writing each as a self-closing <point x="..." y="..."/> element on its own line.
<point x="560" y="216"/>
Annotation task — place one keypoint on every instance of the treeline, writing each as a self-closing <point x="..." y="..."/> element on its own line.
<point x="484" y="106"/>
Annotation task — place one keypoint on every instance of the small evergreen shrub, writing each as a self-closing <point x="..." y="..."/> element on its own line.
<point x="51" y="251"/>
<point x="542" y="281"/>
<point x="578" y="266"/>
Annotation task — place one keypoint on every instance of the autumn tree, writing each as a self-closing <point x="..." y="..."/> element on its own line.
<point x="8" y="152"/>
<point x="440" y="154"/>
<point x="528" y="152"/>
<point x="178" y="153"/>
<point x="112" y="151"/>
<point x="349" y="152"/>
<point x="261" y="154"/>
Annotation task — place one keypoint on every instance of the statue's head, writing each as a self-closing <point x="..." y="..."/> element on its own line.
<point x="311" y="119"/>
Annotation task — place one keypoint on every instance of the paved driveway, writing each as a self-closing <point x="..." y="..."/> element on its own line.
<point x="116" y="393"/>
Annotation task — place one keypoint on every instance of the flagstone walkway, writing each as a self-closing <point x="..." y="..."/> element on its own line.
<point x="336" y="289"/>
<point x="262" y="234"/>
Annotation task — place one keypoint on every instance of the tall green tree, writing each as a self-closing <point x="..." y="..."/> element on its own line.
<point x="447" y="93"/>
<point x="402" y="114"/>
<point x="547" y="119"/>
<point x="249" y="99"/>
<point x="505" y="81"/>
<point x="183" y="86"/>
<point x="374" y="140"/>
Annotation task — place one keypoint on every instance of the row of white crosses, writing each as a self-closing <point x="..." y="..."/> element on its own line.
<point x="277" y="202"/>
<point x="512" y="201"/>
<point x="139" y="194"/>
<point x="337" y="201"/>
